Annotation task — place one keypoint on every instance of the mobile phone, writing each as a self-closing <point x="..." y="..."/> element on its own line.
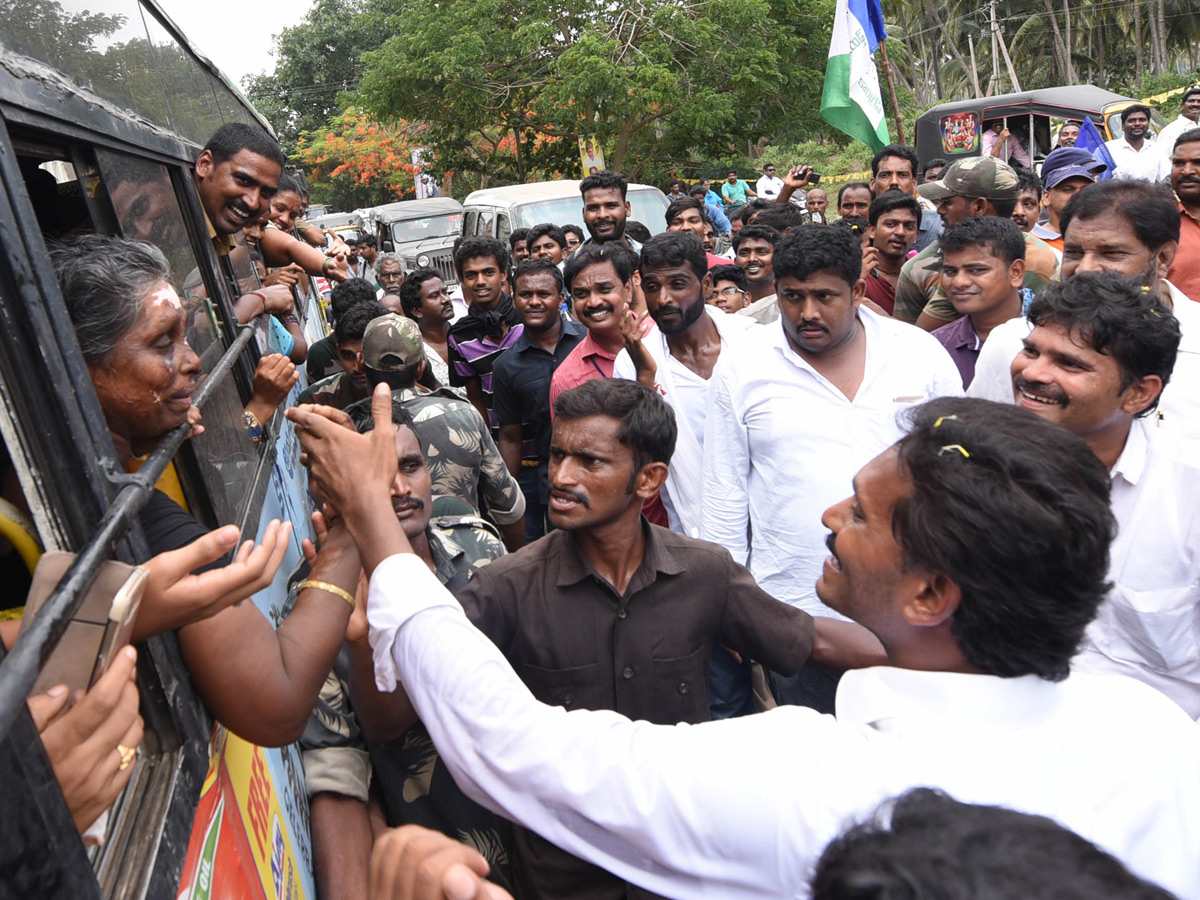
<point x="102" y="625"/>
<point x="814" y="177"/>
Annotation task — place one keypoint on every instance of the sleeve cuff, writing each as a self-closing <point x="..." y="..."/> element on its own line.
<point x="401" y="586"/>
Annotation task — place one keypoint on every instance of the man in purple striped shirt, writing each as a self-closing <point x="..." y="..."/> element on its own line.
<point x="491" y="324"/>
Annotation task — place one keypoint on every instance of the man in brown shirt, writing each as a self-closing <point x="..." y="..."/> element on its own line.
<point x="610" y="612"/>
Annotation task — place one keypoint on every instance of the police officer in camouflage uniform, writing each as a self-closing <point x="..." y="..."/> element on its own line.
<point x="339" y="759"/>
<point x="461" y="456"/>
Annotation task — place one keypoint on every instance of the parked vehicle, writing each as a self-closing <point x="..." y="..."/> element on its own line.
<point x="345" y="225"/>
<point x="497" y="211"/>
<point x="421" y="231"/>
<point x="955" y="130"/>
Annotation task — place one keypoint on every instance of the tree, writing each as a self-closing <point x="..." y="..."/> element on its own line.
<point x="651" y="79"/>
<point x="355" y="163"/>
<point x="319" y="60"/>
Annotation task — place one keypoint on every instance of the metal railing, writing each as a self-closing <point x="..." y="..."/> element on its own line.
<point x="19" y="669"/>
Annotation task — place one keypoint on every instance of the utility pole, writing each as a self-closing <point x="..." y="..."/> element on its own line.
<point x="974" y="70"/>
<point x="1012" y="73"/>
<point x="994" y="84"/>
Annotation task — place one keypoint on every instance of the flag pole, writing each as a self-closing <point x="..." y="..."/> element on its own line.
<point x="887" y="74"/>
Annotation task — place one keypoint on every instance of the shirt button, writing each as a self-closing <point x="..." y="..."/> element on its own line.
<point x="621" y="613"/>
<point x="568" y="699"/>
<point x="627" y="672"/>
<point x="683" y="687"/>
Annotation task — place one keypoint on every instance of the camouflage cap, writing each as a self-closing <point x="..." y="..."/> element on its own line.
<point x="391" y="343"/>
<point x="979" y="176"/>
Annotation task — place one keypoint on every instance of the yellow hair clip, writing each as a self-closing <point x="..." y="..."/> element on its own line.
<point x="959" y="447"/>
<point x="941" y="419"/>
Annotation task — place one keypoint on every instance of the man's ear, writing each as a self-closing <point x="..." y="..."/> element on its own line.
<point x="933" y="599"/>
<point x="1141" y="394"/>
<point x="204" y="164"/>
<point x="650" y="480"/>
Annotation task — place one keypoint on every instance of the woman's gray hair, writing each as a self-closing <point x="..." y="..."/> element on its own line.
<point x="103" y="280"/>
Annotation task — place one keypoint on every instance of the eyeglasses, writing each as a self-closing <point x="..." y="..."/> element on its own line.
<point x="723" y="292"/>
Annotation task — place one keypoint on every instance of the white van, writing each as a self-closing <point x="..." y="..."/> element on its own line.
<point x="496" y="212"/>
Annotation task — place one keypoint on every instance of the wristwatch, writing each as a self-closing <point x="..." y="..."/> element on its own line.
<point x="250" y="421"/>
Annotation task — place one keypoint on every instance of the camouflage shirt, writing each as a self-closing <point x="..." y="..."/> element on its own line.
<point x="919" y="288"/>
<point x="336" y="390"/>
<point x="461" y="456"/>
<point x="416" y="788"/>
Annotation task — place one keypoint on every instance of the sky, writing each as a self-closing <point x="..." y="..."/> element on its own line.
<point x="236" y="34"/>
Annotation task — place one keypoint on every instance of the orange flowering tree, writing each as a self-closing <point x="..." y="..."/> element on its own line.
<point x="354" y="162"/>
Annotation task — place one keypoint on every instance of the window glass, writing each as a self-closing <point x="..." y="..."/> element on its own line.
<point x="147" y="209"/>
<point x="409" y="230"/>
<point x="194" y="112"/>
<point x="503" y="227"/>
<point x="484" y="225"/>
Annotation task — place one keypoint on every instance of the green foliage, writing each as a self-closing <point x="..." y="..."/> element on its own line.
<point x="319" y="64"/>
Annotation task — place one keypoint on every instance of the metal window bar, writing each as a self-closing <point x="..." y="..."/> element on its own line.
<point x="19" y="669"/>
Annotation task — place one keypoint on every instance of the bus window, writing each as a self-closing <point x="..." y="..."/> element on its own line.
<point x="147" y="208"/>
<point x="54" y="188"/>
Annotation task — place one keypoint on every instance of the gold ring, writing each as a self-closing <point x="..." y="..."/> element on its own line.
<point x="127" y="755"/>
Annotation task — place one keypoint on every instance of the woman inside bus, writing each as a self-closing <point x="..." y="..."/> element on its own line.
<point x="259" y="682"/>
<point x="280" y="248"/>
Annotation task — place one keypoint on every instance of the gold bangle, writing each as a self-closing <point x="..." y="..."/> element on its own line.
<point x="327" y="588"/>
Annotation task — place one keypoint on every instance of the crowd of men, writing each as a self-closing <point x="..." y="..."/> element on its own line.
<point x="655" y="567"/>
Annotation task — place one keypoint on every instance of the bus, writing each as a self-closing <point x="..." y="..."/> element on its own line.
<point x="102" y="114"/>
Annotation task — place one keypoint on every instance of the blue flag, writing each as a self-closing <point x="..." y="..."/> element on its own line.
<point x="1090" y="140"/>
<point x="850" y="99"/>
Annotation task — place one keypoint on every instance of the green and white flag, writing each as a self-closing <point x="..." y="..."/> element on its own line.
<point x="851" y="101"/>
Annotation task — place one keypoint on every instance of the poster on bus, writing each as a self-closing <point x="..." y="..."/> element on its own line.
<point x="960" y="133"/>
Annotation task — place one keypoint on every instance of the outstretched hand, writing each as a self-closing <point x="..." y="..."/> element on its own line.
<point x="174" y="597"/>
<point x="414" y="863"/>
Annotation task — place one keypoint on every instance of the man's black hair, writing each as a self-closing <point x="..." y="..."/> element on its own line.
<point x="352" y="325"/>
<point x="539" y="266"/>
<point x="1190" y="92"/>
<point x="360" y="414"/>
<point x="698" y="190"/>
<point x="890" y="201"/>
<point x="901" y="151"/>
<point x="733" y="273"/>
<point x="1135" y="108"/>
<point x="681" y="205"/>
<point x="516" y="236"/>
<point x="674" y="248"/>
<point x="368" y="240"/>
<point x="636" y="231"/>
<point x="1002" y="238"/>
<point x="768" y="166"/>
<point x="232" y="138"/>
<point x="480" y="248"/>
<point x="1018" y="519"/>
<point x="740" y="214"/>
<point x="781" y="216"/>
<point x="761" y="232"/>
<point x="350" y="292"/>
<point x="576" y="230"/>
<point x="1188" y="137"/>
<point x="647" y="420"/>
<point x="856" y="225"/>
<point x="678" y="182"/>
<point x="1029" y="180"/>
<point x="287" y="185"/>
<point x="558" y="235"/>
<point x="936" y="163"/>
<point x="925" y="845"/>
<point x="623" y="260"/>
<point x="410" y="290"/>
<point x="852" y="185"/>
<point x="350" y="240"/>
<point x="605" y="180"/>
<point x="803" y="251"/>
<point x="1004" y="207"/>
<point x="1115" y="315"/>
<point x="1150" y="209"/>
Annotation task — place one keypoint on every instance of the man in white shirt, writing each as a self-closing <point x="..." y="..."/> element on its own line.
<point x="1096" y="361"/>
<point x="1129" y="227"/>
<point x="678" y="357"/>
<point x="769" y="186"/>
<point x="1135" y="157"/>
<point x="800" y="407"/>
<point x="1188" y="118"/>
<point x="978" y="588"/>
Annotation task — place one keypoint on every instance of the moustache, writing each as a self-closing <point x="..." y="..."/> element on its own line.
<point x="1050" y="393"/>
<point x="831" y="543"/>
<point x="808" y="324"/>
<point x="578" y="496"/>
<point x="403" y="504"/>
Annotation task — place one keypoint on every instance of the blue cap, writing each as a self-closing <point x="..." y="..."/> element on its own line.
<point x="1070" y="162"/>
